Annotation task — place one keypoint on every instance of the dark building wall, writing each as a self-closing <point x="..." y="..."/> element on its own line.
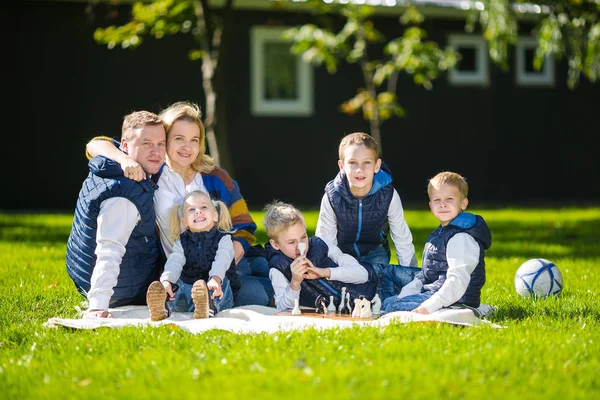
<point x="515" y="145"/>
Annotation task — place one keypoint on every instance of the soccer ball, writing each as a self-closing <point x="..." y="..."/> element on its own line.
<point x="539" y="278"/>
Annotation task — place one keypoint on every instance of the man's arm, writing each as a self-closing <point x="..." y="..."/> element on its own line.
<point x="401" y="236"/>
<point x="462" y="253"/>
<point x="284" y="296"/>
<point x="116" y="220"/>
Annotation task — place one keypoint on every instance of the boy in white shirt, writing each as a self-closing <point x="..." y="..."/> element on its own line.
<point x="317" y="272"/>
<point x="453" y="269"/>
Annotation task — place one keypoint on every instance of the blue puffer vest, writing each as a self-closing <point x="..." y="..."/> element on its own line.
<point x="311" y="289"/>
<point x="138" y="266"/>
<point x="435" y="264"/>
<point x="200" y="249"/>
<point x="362" y="224"/>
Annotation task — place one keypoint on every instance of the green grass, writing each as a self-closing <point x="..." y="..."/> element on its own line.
<point x="550" y="348"/>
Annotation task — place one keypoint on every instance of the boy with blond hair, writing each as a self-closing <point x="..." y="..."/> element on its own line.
<point x="306" y="269"/>
<point x="360" y="208"/>
<point x="453" y="270"/>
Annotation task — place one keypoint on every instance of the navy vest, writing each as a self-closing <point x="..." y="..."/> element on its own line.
<point x="362" y="224"/>
<point x="200" y="249"/>
<point x="311" y="289"/>
<point x="435" y="264"/>
<point x="138" y="266"/>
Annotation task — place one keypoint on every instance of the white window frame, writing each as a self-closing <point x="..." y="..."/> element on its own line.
<point x="545" y="77"/>
<point x="303" y="105"/>
<point x="467" y="78"/>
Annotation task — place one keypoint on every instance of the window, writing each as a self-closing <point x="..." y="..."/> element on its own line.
<point x="472" y="68"/>
<point x="281" y="83"/>
<point x="526" y="75"/>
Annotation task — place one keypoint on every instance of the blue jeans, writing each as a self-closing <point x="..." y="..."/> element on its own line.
<point x="183" y="298"/>
<point x="253" y="266"/>
<point x="407" y="303"/>
<point x="392" y="277"/>
<point x="255" y="290"/>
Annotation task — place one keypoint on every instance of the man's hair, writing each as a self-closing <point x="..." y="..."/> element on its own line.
<point x="189" y="112"/>
<point x="280" y="216"/>
<point x="449" y="178"/>
<point x="358" y="138"/>
<point x="137" y="120"/>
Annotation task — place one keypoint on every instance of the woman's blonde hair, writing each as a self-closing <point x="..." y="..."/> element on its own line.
<point x="189" y="112"/>
<point x="223" y="223"/>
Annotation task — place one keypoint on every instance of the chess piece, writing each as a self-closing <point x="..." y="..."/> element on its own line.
<point x="321" y="305"/>
<point x="296" y="310"/>
<point x="331" y="308"/>
<point x="302" y="248"/>
<point x="348" y="303"/>
<point x="344" y="309"/>
<point x="376" y="305"/>
<point x="365" y="309"/>
<point x="357" y="307"/>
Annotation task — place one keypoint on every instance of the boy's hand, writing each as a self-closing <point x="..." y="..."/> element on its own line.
<point x="421" y="310"/>
<point x="132" y="170"/>
<point x="169" y="288"/>
<point x="313" y="272"/>
<point x="299" y="267"/>
<point x="214" y="284"/>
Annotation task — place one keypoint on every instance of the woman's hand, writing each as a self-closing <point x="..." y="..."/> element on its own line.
<point x="132" y="170"/>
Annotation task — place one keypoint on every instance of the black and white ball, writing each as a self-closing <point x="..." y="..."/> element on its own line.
<point x="538" y="278"/>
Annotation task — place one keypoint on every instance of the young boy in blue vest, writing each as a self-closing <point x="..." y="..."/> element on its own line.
<point x="319" y="272"/>
<point x="361" y="207"/>
<point x="453" y="270"/>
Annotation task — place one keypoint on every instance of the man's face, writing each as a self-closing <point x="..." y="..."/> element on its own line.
<point x="147" y="147"/>
<point x="360" y="166"/>
<point x="288" y="240"/>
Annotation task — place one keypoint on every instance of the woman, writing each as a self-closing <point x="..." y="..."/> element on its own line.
<point x="189" y="168"/>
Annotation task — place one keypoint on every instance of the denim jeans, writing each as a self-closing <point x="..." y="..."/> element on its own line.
<point x="183" y="298"/>
<point x="255" y="290"/>
<point x="392" y="278"/>
<point x="407" y="303"/>
<point x="253" y="266"/>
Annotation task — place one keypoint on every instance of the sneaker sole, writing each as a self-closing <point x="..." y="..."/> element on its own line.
<point x="200" y="299"/>
<point x="155" y="298"/>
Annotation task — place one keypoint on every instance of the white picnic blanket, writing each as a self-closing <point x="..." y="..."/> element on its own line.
<point x="257" y="319"/>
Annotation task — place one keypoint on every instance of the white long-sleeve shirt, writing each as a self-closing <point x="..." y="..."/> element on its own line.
<point x="400" y="233"/>
<point x="171" y="191"/>
<point x="116" y="220"/>
<point x="462" y="254"/>
<point x="219" y="266"/>
<point x="348" y="271"/>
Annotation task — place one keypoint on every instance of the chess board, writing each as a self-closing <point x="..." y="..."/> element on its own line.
<point x="312" y="314"/>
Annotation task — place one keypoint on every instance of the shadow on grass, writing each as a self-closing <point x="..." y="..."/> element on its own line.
<point x="29" y="232"/>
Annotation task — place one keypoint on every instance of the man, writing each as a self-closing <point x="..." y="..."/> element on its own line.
<point x="113" y="247"/>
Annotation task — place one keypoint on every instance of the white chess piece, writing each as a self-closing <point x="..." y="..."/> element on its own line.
<point x="302" y="248"/>
<point x="365" y="309"/>
<point x="331" y="308"/>
<point x="376" y="304"/>
<point x="356" y="310"/>
<point x="296" y="310"/>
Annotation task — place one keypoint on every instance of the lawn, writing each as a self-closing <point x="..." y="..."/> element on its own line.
<point x="549" y="349"/>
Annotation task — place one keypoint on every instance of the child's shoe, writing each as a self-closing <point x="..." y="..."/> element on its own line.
<point x="200" y="298"/>
<point x="156" y="296"/>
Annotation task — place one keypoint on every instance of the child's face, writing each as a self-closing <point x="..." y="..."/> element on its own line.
<point x="446" y="203"/>
<point x="360" y="165"/>
<point x="288" y="239"/>
<point x="199" y="215"/>
<point x="183" y="144"/>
